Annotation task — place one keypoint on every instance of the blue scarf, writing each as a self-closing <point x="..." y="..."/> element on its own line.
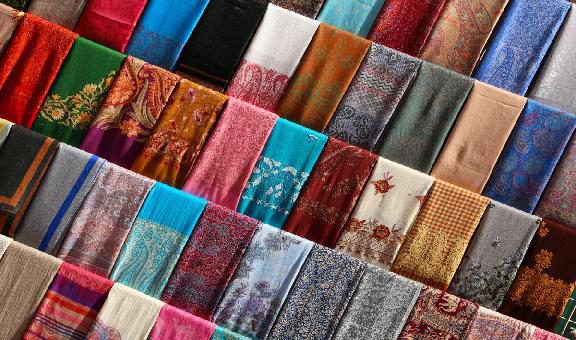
<point x="354" y="16"/>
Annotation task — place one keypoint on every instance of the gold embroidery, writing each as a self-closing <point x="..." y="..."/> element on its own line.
<point x="543" y="230"/>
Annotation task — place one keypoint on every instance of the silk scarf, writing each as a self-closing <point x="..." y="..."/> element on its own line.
<point x="384" y="213"/>
<point x="78" y="91"/>
<point x="331" y="192"/>
<point x="173" y="323"/>
<point x="313" y="94"/>
<point x="308" y="8"/>
<point x="5" y="127"/>
<point x="209" y="260"/>
<point x="17" y="4"/>
<point x="9" y="20"/>
<point x="281" y="172"/>
<point x="63" y="12"/>
<point x="354" y="16"/>
<point x="372" y="97"/>
<point x="262" y="281"/>
<point x="29" y="66"/>
<point x="222" y="333"/>
<point x="488" y="324"/>
<point x="233" y="149"/>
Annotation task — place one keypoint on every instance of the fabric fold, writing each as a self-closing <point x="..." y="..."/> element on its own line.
<point x="354" y="16"/>
<point x="9" y="20"/>
<point x="307" y="8"/>
<point x="488" y="324"/>
<point x="173" y="323"/>
<point x="5" y="127"/>
<point x="63" y="12"/>
<point x="4" y="243"/>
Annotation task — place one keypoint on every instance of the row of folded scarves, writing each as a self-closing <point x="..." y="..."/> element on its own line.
<point x="182" y="265"/>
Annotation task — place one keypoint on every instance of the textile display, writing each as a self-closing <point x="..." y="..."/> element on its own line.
<point x="425" y="117"/>
<point x="28" y="67"/>
<point x="9" y="20"/>
<point x="5" y="127"/>
<point x="173" y="323"/>
<point x="372" y="97"/>
<point x="157" y="238"/>
<point x="267" y="66"/>
<point x="319" y="296"/>
<point x="209" y="260"/>
<point x="232" y="149"/>
<point x="78" y="91"/>
<point x="63" y="12"/>
<point x="281" y="172"/>
<point x="4" y="243"/>
<point x="180" y="134"/>
<point x="262" y="282"/>
<point x="436" y="243"/>
<point x="566" y="326"/>
<point x="104" y="220"/>
<point x="331" y="192"/>
<point x="530" y="156"/>
<point x="163" y="30"/>
<point x="129" y="112"/>
<point x="308" y="8"/>
<point x="313" y="94"/>
<point x="384" y="213"/>
<point x="25" y="274"/>
<point x="70" y="305"/>
<point x="494" y="255"/>
<point x="354" y="16"/>
<point x="219" y="40"/>
<point x="488" y="324"/>
<point x="520" y="42"/>
<point x="224" y="334"/>
<point x="17" y="4"/>
<point x="478" y="137"/>
<point x="380" y="306"/>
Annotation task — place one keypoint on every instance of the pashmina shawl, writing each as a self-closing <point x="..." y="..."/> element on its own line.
<point x="379" y="308"/>
<point x="157" y="238"/>
<point x="262" y="281"/>
<point x="385" y="213"/>
<point x="268" y="65"/>
<point x="308" y="8"/>
<point x="462" y="30"/>
<point x="531" y="155"/>
<point x="219" y="40"/>
<point x="546" y="278"/>
<point x="70" y="305"/>
<point x="29" y="66"/>
<point x="25" y="274"/>
<point x="520" y="42"/>
<point x="110" y="22"/>
<point x="104" y="220"/>
<point x="129" y="113"/>
<point x="24" y="160"/>
<point x="494" y="255"/>
<point x="354" y="16"/>
<point x="281" y="172"/>
<point x="224" y="334"/>
<point x="17" y="4"/>
<point x="78" y="91"/>
<point x="66" y="184"/>
<point x="5" y="127"/>
<point x="163" y="30"/>
<point x="488" y="324"/>
<point x="62" y="12"/>
<point x="436" y="243"/>
<point x="173" y="323"/>
<point x="313" y="94"/>
<point x="331" y="192"/>
<point x="478" y="137"/>
<point x="319" y="296"/>
<point x="209" y="260"/>
<point x="233" y="149"/>
<point x="373" y="96"/>
<point x="4" y="243"/>
<point x="9" y="20"/>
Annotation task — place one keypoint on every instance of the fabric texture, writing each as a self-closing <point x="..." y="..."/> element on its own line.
<point x="5" y="127"/>
<point x="9" y="20"/>
<point x="488" y="324"/>
<point x="173" y="323"/>
<point x="313" y="94"/>
<point x="308" y="8"/>
<point x="224" y="334"/>
<point x="540" y="334"/>
<point x="354" y="16"/>
<point x="63" y="12"/>
<point x="566" y="326"/>
<point x="233" y="149"/>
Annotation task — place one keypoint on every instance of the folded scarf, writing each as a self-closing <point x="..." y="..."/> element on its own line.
<point x="354" y="16"/>
<point x="380" y="306"/>
<point x="25" y="274"/>
<point x="494" y="255"/>
<point x="78" y="91"/>
<point x="180" y="134"/>
<point x="65" y="186"/>
<point x="425" y="117"/>
<point x="220" y="39"/>
<point x="313" y="94"/>
<point x="224" y="334"/>
<point x="478" y="137"/>
<point x="9" y="20"/>
<point x="233" y="149"/>
<point x="373" y="96"/>
<point x="520" y="42"/>
<point x="209" y="260"/>
<point x="262" y="281"/>
<point x="173" y="323"/>
<point x="308" y="8"/>
<point x="29" y="66"/>
<point x="384" y="213"/>
<point x="63" y="12"/>
<point x="566" y="325"/>
<point x="70" y="305"/>
<point x="17" y="4"/>
<point x="488" y="324"/>
<point x="545" y="280"/>
<point x="24" y="160"/>
<point x="530" y="156"/>
<point x="130" y="111"/>
<point x="267" y="66"/>
<point x="110" y="22"/>
<point x="462" y="30"/>
<point x="104" y="220"/>
<point x="281" y="172"/>
<point x="163" y="30"/>
<point x="5" y="127"/>
<point x="156" y="240"/>
<point x="331" y="192"/>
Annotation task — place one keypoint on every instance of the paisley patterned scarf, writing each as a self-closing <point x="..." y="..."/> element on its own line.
<point x="173" y="323"/>
<point x="354" y="16"/>
<point x="308" y="8"/>
<point x="62" y="12"/>
<point x="9" y="20"/>
<point x="488" y="324"/>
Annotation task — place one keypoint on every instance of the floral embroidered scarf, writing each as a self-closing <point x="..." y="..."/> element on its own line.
<point x="354" y="16"/>
<point x="308" y="8"/>
<point x="173" y="323"/>
<point x="9" y="20"/>
<point x="62" y="12"/>
<point x="488" y="324"/>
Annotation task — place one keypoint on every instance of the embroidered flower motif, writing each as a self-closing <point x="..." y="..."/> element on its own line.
<point x="356" y="225"/>
<point x="543" y="260"/>
<point x="543" y="231"/>
<point x="381" y="232"/>
<point x="130" y="128"/>
<point x="383" y="186"/>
